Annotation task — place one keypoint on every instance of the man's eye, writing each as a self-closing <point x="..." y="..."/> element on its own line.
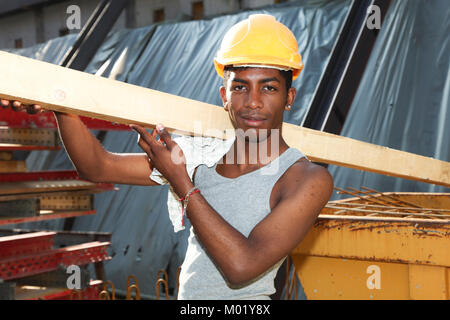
<point x="270" y="88"/>
<point x="238" y="88"/>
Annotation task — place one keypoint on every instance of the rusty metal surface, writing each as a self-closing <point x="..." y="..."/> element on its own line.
<point x="342" y="278"/>
<point x="373" y="205"/>
<point x="399" y="242"/>
<point x="386" y="227"/>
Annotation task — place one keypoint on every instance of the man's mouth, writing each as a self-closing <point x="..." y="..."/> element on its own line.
<point x="253" y="120"/>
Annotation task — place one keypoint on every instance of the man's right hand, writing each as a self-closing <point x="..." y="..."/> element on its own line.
<point x="18" y="106"/>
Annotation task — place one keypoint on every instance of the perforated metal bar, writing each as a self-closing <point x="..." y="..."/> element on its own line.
<point x="27" y="243"/>
<point x="29" y="136"/>
<point x="31" y="264"/>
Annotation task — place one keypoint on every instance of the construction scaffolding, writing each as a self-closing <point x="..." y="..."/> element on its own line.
<point x="33" y="263"/>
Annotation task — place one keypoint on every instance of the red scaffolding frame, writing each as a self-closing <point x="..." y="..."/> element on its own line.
<point x="30" y="254"/>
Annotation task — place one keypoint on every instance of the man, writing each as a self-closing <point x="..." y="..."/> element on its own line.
<point x="249" y="210"/>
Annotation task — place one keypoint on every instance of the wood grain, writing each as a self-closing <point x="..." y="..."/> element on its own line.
<point x="70" y="91"/>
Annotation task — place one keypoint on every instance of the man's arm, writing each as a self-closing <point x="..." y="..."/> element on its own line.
<point x="88" y="156"/>
<point x="305" y="190"/>
<point x="241" y="258"/>
<point x="96" y="164"/>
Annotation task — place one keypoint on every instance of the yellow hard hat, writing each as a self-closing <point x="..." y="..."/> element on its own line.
<point x="259" y="40"/>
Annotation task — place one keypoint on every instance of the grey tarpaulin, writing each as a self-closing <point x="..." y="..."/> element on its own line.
<point x="403" y="99"/>
<point x="52" y="51"/>
<point x="177" y="58"/>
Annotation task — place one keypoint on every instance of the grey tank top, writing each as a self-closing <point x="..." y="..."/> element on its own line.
<point x="243" y="202"/>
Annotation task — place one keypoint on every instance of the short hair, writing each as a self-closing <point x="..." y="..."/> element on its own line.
<point x="287" y="75"/>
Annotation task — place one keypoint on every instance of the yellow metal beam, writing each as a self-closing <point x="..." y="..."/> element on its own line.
<point x="325" y="278"/>
<point x="65" y="90"/>
<point x="429" y="282"/>
<point x="382" y="240"/>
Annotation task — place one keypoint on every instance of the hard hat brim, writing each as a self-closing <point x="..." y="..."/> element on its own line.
<point x="221" y="66"/>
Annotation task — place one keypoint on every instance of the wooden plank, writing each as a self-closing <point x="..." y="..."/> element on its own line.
<point x="342" y="151"/>
<point x="65" y="90"/>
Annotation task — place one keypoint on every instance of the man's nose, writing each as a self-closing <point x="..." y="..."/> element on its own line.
<point x="254" y="100"/>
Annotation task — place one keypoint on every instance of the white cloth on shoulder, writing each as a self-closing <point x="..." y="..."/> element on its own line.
<point x="197" y="150"/>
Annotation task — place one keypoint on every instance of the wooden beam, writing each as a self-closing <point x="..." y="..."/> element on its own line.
<point x="65" y="90"/>
<point x="342" y="151"/>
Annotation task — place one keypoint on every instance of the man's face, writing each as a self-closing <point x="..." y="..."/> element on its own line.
<point x="255" y="99"/>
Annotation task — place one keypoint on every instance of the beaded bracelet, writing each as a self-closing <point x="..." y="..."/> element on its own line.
<point x="184" y="202"/>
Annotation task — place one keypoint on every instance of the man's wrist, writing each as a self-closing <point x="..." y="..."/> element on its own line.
<point x="183" y="189"/>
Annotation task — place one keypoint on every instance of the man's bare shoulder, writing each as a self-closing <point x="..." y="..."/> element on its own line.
<point x="304" y="174"/>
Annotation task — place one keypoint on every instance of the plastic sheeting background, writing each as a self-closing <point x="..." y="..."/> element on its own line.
<point x="403" y="99"/>
<point x="174" y="58"/>
<point x="52" y="51"/>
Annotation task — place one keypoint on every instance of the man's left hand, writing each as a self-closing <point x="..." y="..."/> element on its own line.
<point x="166" y="156"/>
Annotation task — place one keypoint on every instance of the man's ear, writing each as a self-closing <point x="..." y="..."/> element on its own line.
<point x="223" y="96"/>
<point x="292" y="92"/>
